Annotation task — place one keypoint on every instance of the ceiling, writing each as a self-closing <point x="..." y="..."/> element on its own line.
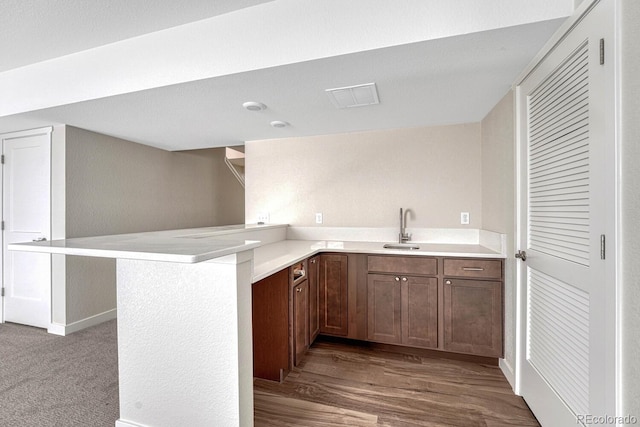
<point x="435" y="82"/>
<point x="36" y="30"/>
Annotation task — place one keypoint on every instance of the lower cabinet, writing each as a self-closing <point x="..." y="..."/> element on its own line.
<point x="420" y="312"/>
<point x="450" y="304"/>
<point x="270" y="307"/>
<point x="333" y="290"/>
<point x="314" y="295"/>
<point x="384" y="306"/>
<point x="473" y="316"/>
<point x="473" y="305"/>
<point x="300" y="299"/>
<point x="402" y="309"/>
<point x="304" y="307"/>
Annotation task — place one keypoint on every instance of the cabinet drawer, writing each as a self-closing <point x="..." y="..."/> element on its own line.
<point x="403" y="265"/>
<point x="474" y="267"/>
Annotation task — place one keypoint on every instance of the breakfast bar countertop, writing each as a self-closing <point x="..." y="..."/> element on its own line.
<point x="183" y="245"/>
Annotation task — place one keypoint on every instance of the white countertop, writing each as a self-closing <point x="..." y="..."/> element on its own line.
<point x="184" y="246"/>
<point x="271" y="258"/>
<point x="272" y="250"/>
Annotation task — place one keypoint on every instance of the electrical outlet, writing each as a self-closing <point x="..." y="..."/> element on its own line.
<point x="319" y="218"/>
<point x="464" y="218"/>
<point x="263" y="217"/>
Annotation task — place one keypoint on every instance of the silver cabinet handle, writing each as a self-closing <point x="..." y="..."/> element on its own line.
<point x="397" y="279"/>
<point x="40" y="239"/>
<point x="404" y="279"/>
<point x="473" y="268"/>
<point x="299" y="290"/>
<point x="313" y="261"/>
<point x="447" y="282"/>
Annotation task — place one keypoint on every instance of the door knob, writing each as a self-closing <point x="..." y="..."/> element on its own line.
<point x="522" y="255"/>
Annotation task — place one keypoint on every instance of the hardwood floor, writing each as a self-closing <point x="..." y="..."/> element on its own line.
<point x="346" y="385"/>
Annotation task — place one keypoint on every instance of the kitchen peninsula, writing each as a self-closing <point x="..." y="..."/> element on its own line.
<point x="185" y="308"/>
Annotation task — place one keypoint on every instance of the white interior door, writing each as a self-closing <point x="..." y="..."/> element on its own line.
<point x="26" y="211"/>
<point x="566" y="294"/>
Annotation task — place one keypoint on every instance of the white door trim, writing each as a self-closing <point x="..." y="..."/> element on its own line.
<point x="7" y="136"/>
<point x="612" y="321"/>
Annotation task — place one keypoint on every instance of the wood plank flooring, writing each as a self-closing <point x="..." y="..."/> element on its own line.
<point x="346" y="385"/>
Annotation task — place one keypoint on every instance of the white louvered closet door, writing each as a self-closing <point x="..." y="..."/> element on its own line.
<point x="563" y="288"/>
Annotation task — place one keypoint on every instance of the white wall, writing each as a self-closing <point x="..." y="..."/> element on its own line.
<point x="114" y="186"/>
<point x="630" y="206"/>
<point x="362" y="179"/>
<point x="498" y="203"/>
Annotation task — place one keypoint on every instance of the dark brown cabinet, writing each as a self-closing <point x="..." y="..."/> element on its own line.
<point x="401" y="308"/>
<point x="333" y="290"/>
<point x="384" y="306"/>
<point x="270" y="307"/>
<point x="450" y="304"/>
<point x="314" y="303"/>
<point x="420" y="312"/>
<point x="300" y="298"/>
<point x="473" y="307"/>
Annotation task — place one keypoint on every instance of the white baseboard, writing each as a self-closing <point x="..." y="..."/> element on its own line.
<point x="120" y="423"/>
<point x="508" y="373"/>
<point x="58" y="329"/>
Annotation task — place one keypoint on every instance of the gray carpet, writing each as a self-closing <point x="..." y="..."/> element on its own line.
<point x="48" y="380"/>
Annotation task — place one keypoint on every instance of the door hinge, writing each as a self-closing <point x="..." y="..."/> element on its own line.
<point x="601" y="51"/>
<point x="2" y="159"/>
<point x="2" y="292"/>
<point x="2" y="226"/>
<point x="603" y="250"/>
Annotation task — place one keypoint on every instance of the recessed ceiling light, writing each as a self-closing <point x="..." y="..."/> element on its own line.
<point x="279" y="124"/>
<point x="254" y="106"/>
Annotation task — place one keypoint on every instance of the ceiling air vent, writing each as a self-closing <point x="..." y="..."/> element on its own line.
<point x="354" y="96"/>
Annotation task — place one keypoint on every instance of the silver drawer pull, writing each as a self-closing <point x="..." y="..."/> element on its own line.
<point x="473" y="268"/>
<point x="447" y="282"/>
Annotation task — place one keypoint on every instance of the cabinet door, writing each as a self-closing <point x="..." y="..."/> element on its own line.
<point x="384" y="307"/>
<point x="314" y="312"/>
<point x="333" y="294"/>
<point x="473" y="317"/>
<point x="420" y="311"/>
<point x="300" y="320"/>
<point x="270" y="301"/>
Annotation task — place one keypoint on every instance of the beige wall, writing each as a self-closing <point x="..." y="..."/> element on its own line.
<point x="630" y="206"/>
<point x="115" y="186"/>
<point x="362" y="179"/>
<point x="498" y="201"/>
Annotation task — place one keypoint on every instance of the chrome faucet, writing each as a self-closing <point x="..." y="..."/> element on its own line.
<point x="403" y="237"/>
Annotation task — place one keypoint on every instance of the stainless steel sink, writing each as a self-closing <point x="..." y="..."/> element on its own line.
<point x="404" y="246"/>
